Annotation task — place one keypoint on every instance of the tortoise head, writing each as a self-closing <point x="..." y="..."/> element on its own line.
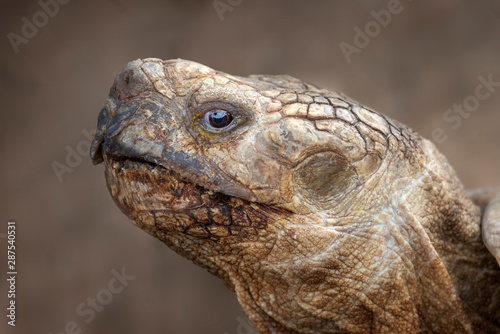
<point x="304" y="202"/>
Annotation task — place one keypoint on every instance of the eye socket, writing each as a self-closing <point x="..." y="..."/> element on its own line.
<point x="218" y="118"/>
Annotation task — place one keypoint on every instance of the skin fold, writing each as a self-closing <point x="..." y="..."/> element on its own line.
<point x="323" y="216"/>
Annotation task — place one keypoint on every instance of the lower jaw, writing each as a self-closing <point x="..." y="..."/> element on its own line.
<point x="152" y="196"/>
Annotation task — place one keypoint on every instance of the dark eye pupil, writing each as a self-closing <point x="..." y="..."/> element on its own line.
<point x="220" y="118"/>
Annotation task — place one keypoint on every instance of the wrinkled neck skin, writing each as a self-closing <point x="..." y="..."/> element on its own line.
<point x="389" y="279"/>
<point x="412" y="261"/>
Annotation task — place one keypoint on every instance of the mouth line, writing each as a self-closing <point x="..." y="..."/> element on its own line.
<point x="120" y="163"/>
<point x="136" y="162"/>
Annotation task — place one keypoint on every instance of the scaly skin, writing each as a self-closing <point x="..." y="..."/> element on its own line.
<point x="322" y="215"/>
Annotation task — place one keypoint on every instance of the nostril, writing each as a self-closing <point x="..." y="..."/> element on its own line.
<point x="132" y="80"/>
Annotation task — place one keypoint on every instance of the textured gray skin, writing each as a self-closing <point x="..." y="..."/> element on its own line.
<point x="491" y="227"/>
<point x="489" y="202"/>
<point x="322" y="215"/>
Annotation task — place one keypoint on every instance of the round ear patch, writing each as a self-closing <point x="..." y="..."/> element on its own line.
<point x="325" y="177"/>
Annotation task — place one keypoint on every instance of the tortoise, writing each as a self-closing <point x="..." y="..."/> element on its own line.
<point x="322" y="215"/>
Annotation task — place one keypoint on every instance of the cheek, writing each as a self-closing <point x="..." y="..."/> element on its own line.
<point x="246" y="163"/>
<point x="251" y="166"/>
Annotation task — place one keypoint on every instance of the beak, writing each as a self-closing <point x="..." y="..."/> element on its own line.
<point x="132" y="81"/>
<point x="105" y="115"/>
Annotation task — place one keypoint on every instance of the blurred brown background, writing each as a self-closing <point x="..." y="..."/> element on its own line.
<point x="70" y="234"/>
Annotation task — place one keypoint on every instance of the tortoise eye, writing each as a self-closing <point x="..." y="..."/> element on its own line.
<point x="218" y="118"/>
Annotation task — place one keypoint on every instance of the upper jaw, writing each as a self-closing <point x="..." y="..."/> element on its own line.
<point x="149" y="140"/>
